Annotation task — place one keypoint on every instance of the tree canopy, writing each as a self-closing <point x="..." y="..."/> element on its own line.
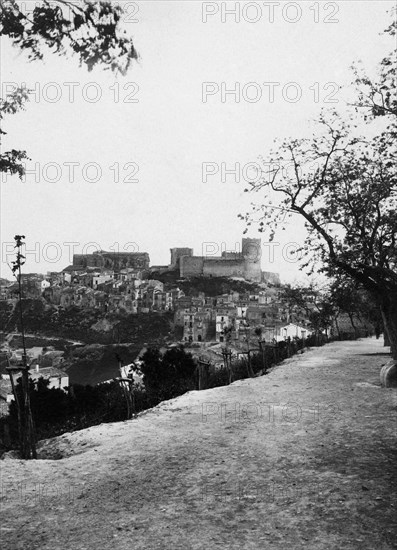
<point x="89" y="30"/>
<point x="11" y="162"/>
<point x="170" y="374"/>
<point x="344" y="186"/>
<point x="92" y="31"/>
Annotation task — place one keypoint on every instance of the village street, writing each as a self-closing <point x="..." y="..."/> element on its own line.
<point x="305" y="457"/>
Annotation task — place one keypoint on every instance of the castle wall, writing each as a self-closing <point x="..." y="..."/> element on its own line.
<point x="86" y="260"/>
<point x="191" y="266"/>
<point x="223" y="268"/>
<point x="246" y="264"/>
<point x="252" y="270"/>
<point x="231" y="255"/>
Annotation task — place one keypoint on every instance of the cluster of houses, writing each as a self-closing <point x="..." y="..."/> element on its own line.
<point x="203" y="318"/>
<point x="124" y="283"/>
<point x="239" y="318"/>
<point x="126" y="290"/>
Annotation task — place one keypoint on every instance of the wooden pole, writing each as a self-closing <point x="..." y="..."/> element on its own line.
<point x="263" y="350"/>
<point x="227" y="360"/>
<point x="249" y="366"/>
<point x="203" y="371"/>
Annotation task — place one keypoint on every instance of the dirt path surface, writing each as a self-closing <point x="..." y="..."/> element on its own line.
<point x="304" y="458"/>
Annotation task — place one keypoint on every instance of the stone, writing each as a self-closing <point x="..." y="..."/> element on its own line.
<point x="388" y="375"/>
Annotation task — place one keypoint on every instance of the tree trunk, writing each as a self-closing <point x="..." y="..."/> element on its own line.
<point x="389" y="316"/>
<point x="263" y="352"/>
<point x="249" y="367"/>
<point x="352" y="324"/>
<point x="337" y="326"/>
<point x="28" y="433"/>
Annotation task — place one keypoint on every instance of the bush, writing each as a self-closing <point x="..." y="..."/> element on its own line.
<point x="218" y="377"/>
<point x="55" y="411"/>
<point x="169" y="375"/>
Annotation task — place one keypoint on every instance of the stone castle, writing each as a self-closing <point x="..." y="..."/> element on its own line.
<point x="245" y="264"/>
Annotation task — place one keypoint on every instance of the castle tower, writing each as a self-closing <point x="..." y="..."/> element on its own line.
<point x="251" y="250"/>
<point x="177" y="253"/>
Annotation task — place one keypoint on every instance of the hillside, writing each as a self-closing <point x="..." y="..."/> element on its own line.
<point x="87" y="325"/>
<point x="104" y="338"/>
<point x="211" y="286"/>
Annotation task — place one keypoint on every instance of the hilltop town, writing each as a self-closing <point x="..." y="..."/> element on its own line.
<point x="124" y="282"/>
<point x="198" y="296"/>
<point x="107" y="308"/>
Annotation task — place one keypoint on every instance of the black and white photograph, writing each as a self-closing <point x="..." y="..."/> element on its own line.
<point x="198" y="286"/>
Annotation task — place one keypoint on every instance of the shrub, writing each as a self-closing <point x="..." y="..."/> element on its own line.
<point x="169" y="375"/>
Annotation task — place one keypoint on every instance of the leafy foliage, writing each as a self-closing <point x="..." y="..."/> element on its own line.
<point x="90" y="31"/>
<point x="378" y="97"/>
<point x="11" y="162"/>
<point x="20" y="258"/>
<point x="347" y="296"/>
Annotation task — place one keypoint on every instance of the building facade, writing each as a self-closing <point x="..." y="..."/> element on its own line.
<point x="112" y="260"/>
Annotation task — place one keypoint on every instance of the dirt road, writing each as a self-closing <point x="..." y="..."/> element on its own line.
<point x="304" y="458"/>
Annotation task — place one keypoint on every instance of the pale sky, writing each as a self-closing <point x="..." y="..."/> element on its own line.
<point x="169" y="132"/>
